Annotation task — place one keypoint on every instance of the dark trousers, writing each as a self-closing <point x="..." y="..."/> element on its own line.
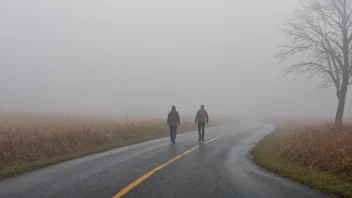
<point x="173" y="132"/>
<point x="201" y="126"/>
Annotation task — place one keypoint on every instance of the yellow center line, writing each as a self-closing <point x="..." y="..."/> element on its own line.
<point x="150" y="173"/>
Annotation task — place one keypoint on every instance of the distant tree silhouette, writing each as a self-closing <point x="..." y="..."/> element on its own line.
<point x="319" y="37"/>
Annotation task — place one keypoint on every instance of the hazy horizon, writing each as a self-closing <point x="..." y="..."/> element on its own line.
<point x="141" y="57"/>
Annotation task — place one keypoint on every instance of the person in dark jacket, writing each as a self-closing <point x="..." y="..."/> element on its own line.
<point x="172" y="120"/>
<point x="201" y="117"/>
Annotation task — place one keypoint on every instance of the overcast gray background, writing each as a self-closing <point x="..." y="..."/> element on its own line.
<point x="142" y="56"/>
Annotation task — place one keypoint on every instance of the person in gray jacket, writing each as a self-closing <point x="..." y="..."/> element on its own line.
<point x="172" y="120"/>
<point x="201" y="117"/>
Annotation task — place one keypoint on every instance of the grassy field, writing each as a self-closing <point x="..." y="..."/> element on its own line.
<point x="30" y="142"/>
<point x="311" y="154"/>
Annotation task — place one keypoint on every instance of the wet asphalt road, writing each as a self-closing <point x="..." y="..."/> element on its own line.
<point x="221" y="168"/>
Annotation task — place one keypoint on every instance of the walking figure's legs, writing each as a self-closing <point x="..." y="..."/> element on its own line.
<point x="199" y="131"/>
<point x="174" y="129"/>
<point x="203" y="128"/>
<point x="171" y="133"/>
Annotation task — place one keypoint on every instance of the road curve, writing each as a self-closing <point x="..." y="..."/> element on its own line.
<point x="219" y="168"/>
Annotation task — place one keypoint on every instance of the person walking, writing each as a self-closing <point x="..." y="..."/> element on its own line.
<point x="201" y="118"/>
<point x="173" y="119"/>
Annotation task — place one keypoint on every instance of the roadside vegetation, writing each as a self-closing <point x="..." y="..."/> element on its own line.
<point x="31" y="142"/>
<point x="318" y="46"/>
<point x="313" y="154"/>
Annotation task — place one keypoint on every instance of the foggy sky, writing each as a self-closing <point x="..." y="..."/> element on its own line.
<point x="142" y="56"/>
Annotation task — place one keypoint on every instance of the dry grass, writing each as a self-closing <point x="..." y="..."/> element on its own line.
<point x="320" y="148"/>
<point x="35" y="139"/>
<point x="312" y="154"/>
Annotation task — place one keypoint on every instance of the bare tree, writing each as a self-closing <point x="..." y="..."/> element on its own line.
<point x="319" y="37"/>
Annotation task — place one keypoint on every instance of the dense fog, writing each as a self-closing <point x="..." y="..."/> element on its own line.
<point x="141" y="57"/>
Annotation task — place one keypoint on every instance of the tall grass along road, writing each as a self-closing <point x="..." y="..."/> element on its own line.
<point x="31" y="142"/>
<point x="309" y="153"/>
